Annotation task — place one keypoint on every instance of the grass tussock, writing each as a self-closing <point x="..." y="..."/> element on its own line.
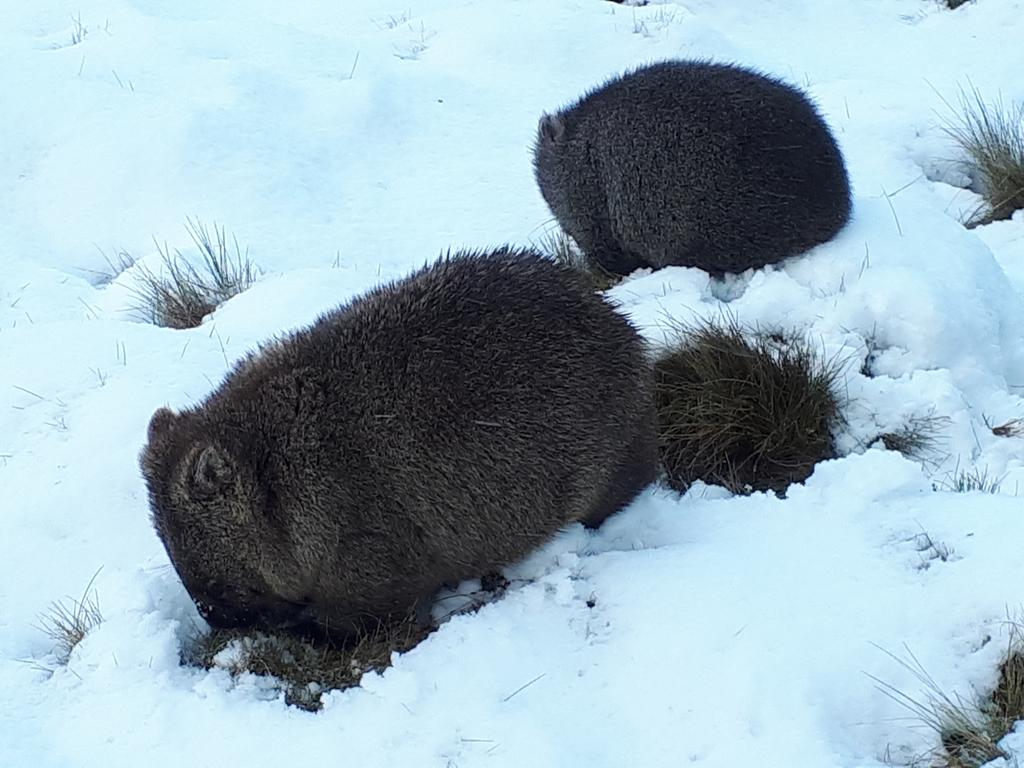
<point x="561" y="248"/>
<point x="918" y="438"/>
<point x="991" y="135"/>
<point x="1012" y="428"/>
<point x="744" y="409"/>
<point x="969" y="480"/>
<point x="68" y="621"/>
<point x="1006" y="708"/>
<point x="303" y="669"/>
<point x="968" y="732"/>
<point x="181" y="294"/>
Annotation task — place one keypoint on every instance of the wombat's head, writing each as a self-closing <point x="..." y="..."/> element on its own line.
<point x="218" y="524"/>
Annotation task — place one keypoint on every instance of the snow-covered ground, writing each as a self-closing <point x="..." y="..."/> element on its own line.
<point x="345" y="143"/>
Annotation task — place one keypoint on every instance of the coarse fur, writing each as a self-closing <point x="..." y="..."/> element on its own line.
<point x="694" y="164"/>
<point x="433" y="430"/>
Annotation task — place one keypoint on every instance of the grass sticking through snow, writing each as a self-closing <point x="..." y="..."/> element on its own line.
<point x="918" y="438"/>
<point x="180" y="295"/>
<point x="967" y="480"/>
<point x="68" y="621"/>
<point x="561" y="248"/>
<point x="744" y="409"/>
<point x="304" y="670"/>
<point x="121" y="261"/>
<point x="968" y="733"/>
<point x="931" y="550"/>
<point x="991" y="135"/>
<point x="1012" y="428"/>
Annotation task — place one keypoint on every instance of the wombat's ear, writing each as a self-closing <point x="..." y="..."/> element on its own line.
<point x="551" y="128"/>
<point x="160" y="423"/>
<point x="211" y="470"/>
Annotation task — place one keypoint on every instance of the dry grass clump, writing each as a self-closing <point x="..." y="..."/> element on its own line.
<point x="68" y="621"/>
<point x="181" y="294"/>
<point x="991" y="135"/>
<point x="304" y="669"/>
<point x="744" y="409"/>
<point x="918" y="438"/>
<point x="968" y="480"/>
<point x="968" y="733"/>
<point x="1006" y="708"/>
<point x="561" y="248"/>
<point x="1012" y="428"/>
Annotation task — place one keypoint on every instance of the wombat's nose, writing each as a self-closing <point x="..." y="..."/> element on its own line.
<point x="222" y="616"/>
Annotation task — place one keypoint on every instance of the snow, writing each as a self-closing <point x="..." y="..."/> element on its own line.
<point x="345" y="143"/>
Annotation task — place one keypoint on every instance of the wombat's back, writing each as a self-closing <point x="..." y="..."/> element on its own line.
<point x="496" y="392"/>
<point x="695" y="164"/>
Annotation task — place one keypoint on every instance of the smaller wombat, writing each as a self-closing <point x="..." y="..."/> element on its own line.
<point x="693" y="164"/>
<point x="435" y="429"/>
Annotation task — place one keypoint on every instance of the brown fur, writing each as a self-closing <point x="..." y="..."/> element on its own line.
<point x="693" y="164"/>
<point x="432" y="430"/>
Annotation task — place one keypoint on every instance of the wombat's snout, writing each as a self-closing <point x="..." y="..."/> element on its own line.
<point x="226" y="608"/>
<point x="221" y="615"/>
<point x="252" y="610"/>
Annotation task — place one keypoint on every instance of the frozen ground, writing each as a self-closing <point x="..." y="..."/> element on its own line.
<point x="345" y="143"/>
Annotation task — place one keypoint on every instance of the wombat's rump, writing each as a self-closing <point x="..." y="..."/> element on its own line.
<point x="693" y="164"/>
<point x="432" y="430"/>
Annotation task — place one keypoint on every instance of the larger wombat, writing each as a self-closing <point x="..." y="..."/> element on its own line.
<point x="693" y="164"/>
<point x="435" y="429"/>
